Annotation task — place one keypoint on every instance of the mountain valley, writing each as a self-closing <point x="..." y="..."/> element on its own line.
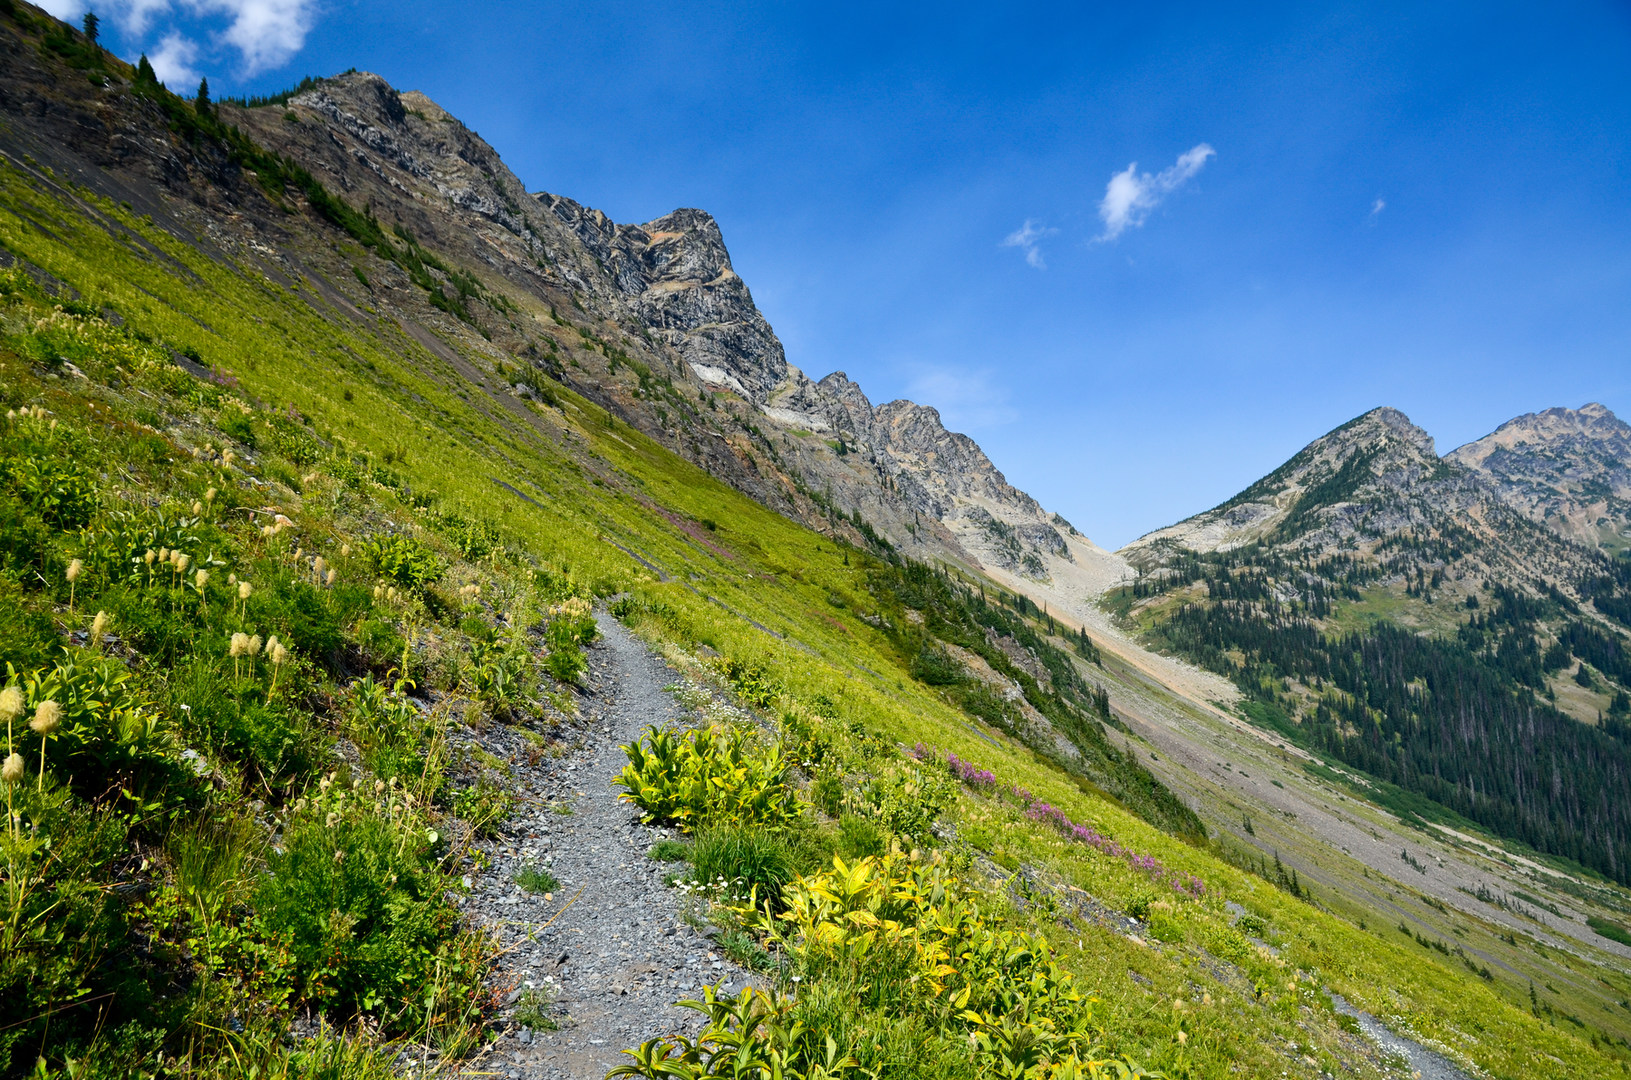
<point x="1361" y="733"/>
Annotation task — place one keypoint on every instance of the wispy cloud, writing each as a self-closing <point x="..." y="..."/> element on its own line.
<point x="174" y="62"/>
<point x="266" y="32"/>
<point x="1130" y="195"/>
<point x="1376" y="209"/>
<point x="966" y="400"/>
<point x="1028" y="238"/>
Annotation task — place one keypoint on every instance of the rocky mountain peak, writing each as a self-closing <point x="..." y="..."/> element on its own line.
<point x="1568" y="468"/>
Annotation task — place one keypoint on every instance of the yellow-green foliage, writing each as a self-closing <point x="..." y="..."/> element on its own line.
<point x="380" y="416"/>
<point x="710" y="776"/>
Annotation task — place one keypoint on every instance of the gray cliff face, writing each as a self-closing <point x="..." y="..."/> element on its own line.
<point x="1567" y="468"/>
<point x="661" y="298"/>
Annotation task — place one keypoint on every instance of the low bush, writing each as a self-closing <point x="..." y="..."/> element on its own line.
<point x="709" y="777"/>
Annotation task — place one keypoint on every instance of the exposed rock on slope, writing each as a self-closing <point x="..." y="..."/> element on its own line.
<point x="681" y="311"/>
<point x="1373" y="495"/>
<point x="1567" y="468"/>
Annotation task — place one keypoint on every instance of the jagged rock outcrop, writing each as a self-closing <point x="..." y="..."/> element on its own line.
<point x="1567" y="468"/>
<point x="683" y="311"/>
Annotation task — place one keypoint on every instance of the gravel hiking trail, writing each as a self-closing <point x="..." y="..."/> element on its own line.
<point x="617" y="951"/>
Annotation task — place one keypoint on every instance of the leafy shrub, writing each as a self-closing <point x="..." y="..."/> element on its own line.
<point x="501" y="675"/>
<point x="709" y="777"/>
<point x="405" y="560"/>
<point x="906" y="975"/>
<point x="395" y="738"/>
<point x="566" y="661"/>
<point x="484" y="805"/>
<point x="237" y="424"/>
<point x="356" y="901"/>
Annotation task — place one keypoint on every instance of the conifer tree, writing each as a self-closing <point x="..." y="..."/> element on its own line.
<point x="92" y="25"/>
<point x="145" y="72"/>
<point x="201" y="105"/>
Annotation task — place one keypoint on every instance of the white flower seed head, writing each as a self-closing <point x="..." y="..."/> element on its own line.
<point x="318" y="565"/>
<point x="278" y="653"/>
<point x="244" y="589"/>
<point x="74" y="569"/>
<point x="198" y="507"/>
<point x="12" y="772"/>
<point x="209" y="496"/>
<point x="164" y="554"/>
<point x="239" y="646"/>
<point x="298" y="552"/>
<point x="201" y="579"/>
<point x="99" y="625"/>
<point x="11" y="703"/>
<point x="47" y="717"/>
<point x="254" y="644"/>
<point x="328" y="578"/>
<point x="150" y="556"/>
<point x="345" y="550"/>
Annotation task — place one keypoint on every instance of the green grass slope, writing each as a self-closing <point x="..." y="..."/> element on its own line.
<point x="175" y="895"/>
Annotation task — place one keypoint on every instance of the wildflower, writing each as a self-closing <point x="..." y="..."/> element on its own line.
<point x="227" y="459"/>
<point x="164" y="554"/>
<point x="254" y="645"/>
<point x="318" y="565"/>
<point x="244" y="590"/>
<point x="11" y="703"/>
<point x="379" y="592"/>
<point x="200" y="579"/>
<point x="278" y="654"/>
<point x="325" y="783"/>
<point x="74" y="569"/>
<point x="298" y="552"/>
<point x="328" y="578"/>
<point x="331" y="820"/>
<point x="345" y="550"/>
<point x="198" y="508"/>
<point x="379" y="786"/>
<point x="238" y="648"/>
<point x="12" y="771"/>
<point x="149" y="557"/>
<point x="267" y="530"/>
<point x="182" y="559"/>
<point x="47" y="717"/>
<point x="209" y="496"/>
<point x="1183" y="1037"/>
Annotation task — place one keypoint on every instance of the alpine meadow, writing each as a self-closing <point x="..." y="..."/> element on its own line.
<point x="444" y="635"/>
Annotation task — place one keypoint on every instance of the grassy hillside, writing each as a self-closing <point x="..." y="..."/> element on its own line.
<point x="216" y="839"/>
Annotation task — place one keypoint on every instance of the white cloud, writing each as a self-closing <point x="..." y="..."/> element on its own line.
<point x="966" y="400"/>
<point x="136" y="16"/>
<point x="1376" y="209"/>
<point x="66" y="10"/>
<point x="1027" y="238"/>
<point x="173" y="62"/>
<point x="266" y="32"/>
<point x="1130" y="195"/>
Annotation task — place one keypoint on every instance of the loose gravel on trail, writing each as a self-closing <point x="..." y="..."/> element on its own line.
<point x="618" y="952"/>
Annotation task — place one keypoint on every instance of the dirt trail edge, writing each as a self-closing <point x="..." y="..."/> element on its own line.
<point x="618" y="952"/>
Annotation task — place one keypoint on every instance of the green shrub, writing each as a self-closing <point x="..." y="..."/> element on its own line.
<point x="484" y="805"/>
<point x="740" y="861"/>
<point x="356" y="902"/>
<point x="936" y="667"/>
<point x="709" y="777"/>
<point x="405" y="560"/>
<point x="394" y="737"/>
<point x="858" y="837"/>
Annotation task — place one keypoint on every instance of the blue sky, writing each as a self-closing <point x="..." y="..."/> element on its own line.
<point x="1424" y="206"/>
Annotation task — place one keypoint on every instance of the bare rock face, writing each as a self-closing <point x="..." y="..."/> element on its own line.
<point x="1567" y="468"/>
<point x="681" y="311"/>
